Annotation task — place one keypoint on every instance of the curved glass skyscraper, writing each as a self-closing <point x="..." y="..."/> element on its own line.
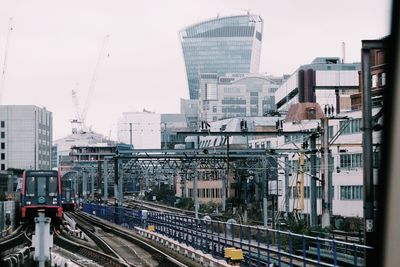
<point x="222" y="45"/>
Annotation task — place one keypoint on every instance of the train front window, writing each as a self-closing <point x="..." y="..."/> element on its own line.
<point x="53" y="186"/>
<point x="30" y="186"/>
<point x="41" y="186"/>
<point x="68" y="196"/>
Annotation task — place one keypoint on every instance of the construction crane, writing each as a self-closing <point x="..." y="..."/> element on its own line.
<point x="79" y="123"/>
<point x="4" y="68"/>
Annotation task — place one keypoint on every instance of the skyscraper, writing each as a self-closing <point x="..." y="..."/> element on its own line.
<point x="220" y="46"/>
<point x="26" y="137"/>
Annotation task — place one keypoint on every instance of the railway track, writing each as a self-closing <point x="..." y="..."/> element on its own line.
<point x="161" y="256"/>
<point x="90" y="231"/>
<point x="16" y="247"/>
<point x="100" y="258"/>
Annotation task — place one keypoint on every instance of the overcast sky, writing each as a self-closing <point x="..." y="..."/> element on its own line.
<point x="54" y="48"/>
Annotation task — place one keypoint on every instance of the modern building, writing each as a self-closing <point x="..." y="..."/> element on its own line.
<point x="79" y="139"/>
<point x="170" y="125"/>
<point x="378" y="68"/>
<point x="326" y="80"/>
<point x="236" y="95"/>
<point x="26" y="137"/>
<point x="141" y="129"/>
<point x="190" y="109"/>
<point x="221" y="45"/>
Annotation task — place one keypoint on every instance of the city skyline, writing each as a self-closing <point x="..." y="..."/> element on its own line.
<point x="54" y="47"/>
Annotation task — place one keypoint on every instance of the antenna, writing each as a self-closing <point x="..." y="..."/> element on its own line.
<point x="343" y="52"/>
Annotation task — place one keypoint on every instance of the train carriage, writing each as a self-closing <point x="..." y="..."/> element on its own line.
<point x="41" y="192"/>
<point x="68" y="199"/>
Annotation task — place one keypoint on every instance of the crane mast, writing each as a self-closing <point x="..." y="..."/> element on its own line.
<point x="4" y="68"/>
<point x="78" y="124"/>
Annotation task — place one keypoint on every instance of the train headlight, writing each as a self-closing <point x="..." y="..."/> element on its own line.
<point x="28" y="203"/>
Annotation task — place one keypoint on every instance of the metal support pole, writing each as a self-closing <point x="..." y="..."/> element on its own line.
<point x="92" y="183"/>
<point x="75" y="196"/>
<point x="330" y="187"/>
<point x="196" y="198"/>
<point x="313" y="181"/>
<point x="184" y="193"/>
<point x="105" y="194"/>
<point x="265" y="194"/>
<point x="84" y="185"/>
<point x="116" y="179"/>
<point x="42" y="240"/>
<point x="326" y="220"/>
<point x="130" y="133"/>
<point x="120" y="186"/>
<point x="301" y="173"/>
<point x="223" y="192"/>
<point x="367" y="151"/>
<point x="287" y="188"/>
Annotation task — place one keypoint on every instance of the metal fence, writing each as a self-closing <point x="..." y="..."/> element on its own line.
<point x="260" y="246"/>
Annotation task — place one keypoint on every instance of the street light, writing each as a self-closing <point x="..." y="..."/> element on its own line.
<point x="165" y="135"/>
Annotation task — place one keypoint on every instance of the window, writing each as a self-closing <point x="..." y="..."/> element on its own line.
<point x="330" y="132"/>
<point x="374" y="81"/>
<point x="351" y="161"/>
<point x="351" y="192"/>
<point x="2" y="124"/>
<point x="53" y="186"/>
<point x="383" y="79"/>
<point x="3" y="156"/>
<point x="30" y="186"/>
<point x="3" y="135"/>
<point x="3" y="146"/>
<point x="353" y="126"/>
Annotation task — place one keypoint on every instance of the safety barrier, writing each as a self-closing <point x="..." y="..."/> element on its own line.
<point x="260" y="246"/>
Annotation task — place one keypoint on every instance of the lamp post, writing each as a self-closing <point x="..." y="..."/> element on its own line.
<point x="165" y="136"/>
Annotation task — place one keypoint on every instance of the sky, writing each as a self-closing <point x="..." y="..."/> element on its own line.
<point x="55" y="45"/>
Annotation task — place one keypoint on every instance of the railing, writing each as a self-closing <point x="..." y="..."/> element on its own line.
<point x="260" y="245"/>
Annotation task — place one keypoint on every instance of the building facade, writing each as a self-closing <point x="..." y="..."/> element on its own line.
<point x="170" y="125"/>
<point x="378" y="68"/>
<point x="326" y="80"/>
<point x="346" y="165"/>
<point x="236" y="95"/>
<point x="141" y="129"/>
<point x="221" y="45"/>
<point x="190" y="109"/>
<point x="26" y="137"/>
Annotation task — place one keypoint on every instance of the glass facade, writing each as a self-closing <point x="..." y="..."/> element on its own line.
<point x="222" y="45"/>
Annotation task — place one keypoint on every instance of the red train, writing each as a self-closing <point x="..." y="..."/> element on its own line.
<point x="41" y="192"/>
<point x="68" y="196"/>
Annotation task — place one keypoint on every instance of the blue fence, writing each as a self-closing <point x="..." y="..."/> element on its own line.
<point x="260" y="245"/>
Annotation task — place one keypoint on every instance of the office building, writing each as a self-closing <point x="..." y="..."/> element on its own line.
<point x="141" y="129"/>
<point x="221" y="45"/>
<point x="26" y="137"/>
<point x="326" y="80"/>
<point x="236" y="95"/>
